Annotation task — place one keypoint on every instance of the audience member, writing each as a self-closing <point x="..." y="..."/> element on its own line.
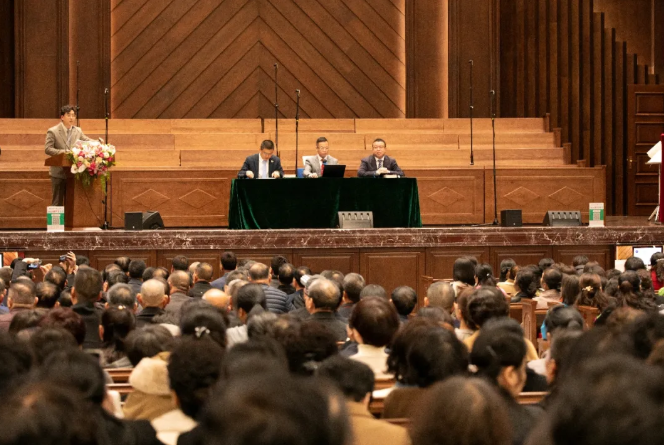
<point x="116" y="324"/>
<point x="286" y="273"/>
<point x="47" y="341"/>
<point x="474" y="413"/>
<point x="70" y="321"/>
<point x="277" y="301"/>
<point x="228" y="265"/>
<point x="591" y="293"/>
<point x="525" y="284"/>
<point x="123" y="262"/>
<point x="121" y="294"/>
<point x="438" y="315"/>
<point x="151" y="395"/>
<point x="373" y="324"/>
<point x="307" y="343"/>
<point x="440" y="294"/>
<point x="356" y="382"/>
<point x="26" y="321"/>
<point x="322" y="301"/>
<point x="250" y="299"/>
<point x="147" y="342"/>
<point x="463" y="274"/>
<point x="579" y="262"/>
<point x="201" y="277"/>
<point x="296" y="299"/>
<point x="204" y="320"/>
<point x="404" y="300"/>
<point x="630" y="293"/>
<point x="253" y="357"/>
<point x="276" y="262"/>
<point x="135" y="271"/>
<point x="179" y="262"/>
<point x="551" y="284"/>
<point x="484" y="274"/>
<point x="21" y="297"/>
<point x="569" y="289"/>
<point x="373" y="290"/>
<point x="218" y="299"/>
<point x="353" y="284"/>
<point x="634" y="263"/>
<point x="545" y="263"/>
<point x="153" y="299"/>
<point x="507" y="285"/>
<point x="466" y="327"/>
<point x="179" y="283"/>
<point x="47" y="295"/>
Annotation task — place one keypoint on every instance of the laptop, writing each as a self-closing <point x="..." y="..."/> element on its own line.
<point x="334" y="171"/>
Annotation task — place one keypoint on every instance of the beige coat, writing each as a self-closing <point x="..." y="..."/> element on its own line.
<point x="56" y="143"/>
<point x="369" y="431"/>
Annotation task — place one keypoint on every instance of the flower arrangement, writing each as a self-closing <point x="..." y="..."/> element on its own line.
<point x="90" y="160"/>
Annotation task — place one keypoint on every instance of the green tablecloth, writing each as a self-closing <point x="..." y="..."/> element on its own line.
<point x="293" y="203"/>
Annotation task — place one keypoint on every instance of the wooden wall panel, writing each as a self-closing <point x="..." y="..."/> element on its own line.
<point x="602" y="254"/>
<point x="25" y="197"/>
<point x="263" y="255"/>
<point x="7" y="61"/>
<point x="455" y="197"/>
<point x="212" y="257"/>
<point x="440" y="262"/>
<point x="318" y="260"/>
<point x="214" y="58"/>
<point x="100" y="259"/>
<point x="393" y="268"/>
<point x="522" y="255"/>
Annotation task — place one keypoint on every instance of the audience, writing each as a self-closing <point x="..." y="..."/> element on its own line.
<point x="261" y="362"/>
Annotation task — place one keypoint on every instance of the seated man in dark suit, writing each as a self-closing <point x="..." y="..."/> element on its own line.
<point x="262" y="165"/>
<point x="378" y="164"/>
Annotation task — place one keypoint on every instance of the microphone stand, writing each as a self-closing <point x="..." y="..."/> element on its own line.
<point x="276" y="109"/>
<point x="297" y="128"/>
<point x="78" y="90"/>
<point x="106" y="225"/>
<point x="472" y="160"/>
<point x="493" y="128"/>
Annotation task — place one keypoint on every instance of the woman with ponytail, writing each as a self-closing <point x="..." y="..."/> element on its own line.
<point x="630" y="294"/>
<point x="552" y="281"/>
<point x="116" y="324"/>
<point x="484" y="273"/>
<point x="525" y="284"/>
<point x="591" y="293"/>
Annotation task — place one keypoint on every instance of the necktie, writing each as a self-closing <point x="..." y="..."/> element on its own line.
<point x="380" y="164"/>
<point x="322" y="166"/>
<point x="69" y="137"/>
<point x="265" y="170"/>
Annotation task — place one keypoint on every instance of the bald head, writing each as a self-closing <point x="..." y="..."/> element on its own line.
<point x="152" y="294"/>
<point x="259" y="273"/>
<point x="324" y="294"/>
<point x="217" y="298"/>
<point x="441" y="294"/>
<point x="203" y="272"/>
<point x="23" y="293"/>
<point x="179" y="281"/>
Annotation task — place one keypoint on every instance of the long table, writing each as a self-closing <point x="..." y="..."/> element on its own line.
<point x="314" y="203"/>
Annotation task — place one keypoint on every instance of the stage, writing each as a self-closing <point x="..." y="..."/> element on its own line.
<point x="390" y="257"/>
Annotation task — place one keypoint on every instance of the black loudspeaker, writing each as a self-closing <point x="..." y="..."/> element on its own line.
<point x="143" y="221"/>
<point x="562" y="218"/>
<point x="511" y="218"/>
<point x="356" y="220"/>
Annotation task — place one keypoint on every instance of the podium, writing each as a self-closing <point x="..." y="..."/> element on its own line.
<point x="83" y="206"/>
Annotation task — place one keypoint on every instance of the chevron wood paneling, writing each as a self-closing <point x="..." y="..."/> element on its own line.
<point x="215" y="58"/>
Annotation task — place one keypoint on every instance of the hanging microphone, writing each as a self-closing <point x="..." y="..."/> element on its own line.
<point x="472" y="157"/>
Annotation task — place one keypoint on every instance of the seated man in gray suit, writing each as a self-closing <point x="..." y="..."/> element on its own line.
<point x="379" y="164"/>
<point x="315" y="165"/>
<point x="60" y="139"/>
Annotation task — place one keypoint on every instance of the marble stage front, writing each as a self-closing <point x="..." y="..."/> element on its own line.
<point x="389" y="257"/>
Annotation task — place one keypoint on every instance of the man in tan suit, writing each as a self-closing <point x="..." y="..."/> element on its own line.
<point x="356" y="382"/>
<point x="60" y="139"/>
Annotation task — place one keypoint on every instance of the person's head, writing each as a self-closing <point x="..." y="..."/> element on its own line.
<point x="194" y="367"/>
<point x="87" y="285"/>
<point x="526" y="282"/>
<point x="464" y="271"/>
<point x="298" y="274"/>
<point x="484" y="304"/>
<point x="116" y="324"/>
<point x="250" y="297"/>
<point x="179" y="282"/>
<point x="121" y="295"/>
<point x="46" y="341"/>
<point x="17" y="361"/>
<point x="262" y="325"/>
<point x="123" y="262"/>
<point x="374" y="321"/>
<point x="203" y="272"/>
<point x="256" y="356"/>
<point x="42" y="413"/>
<point x="322" y="147"/>
<point x="56" y="275"/>
<point x="579" y="261"/>
<point x="136" y="269"/>
<point x="218" y="299"/>
<point x="323" y="295"/>
<point x="286" y="272"/>
<point x="259" y="273"/>
<point x="47" y="294"/>
<point x="612" y="400"/>
<point x="505" y="266"/>
<point x="552" y="279"/>
<point x="353" y="284"/>
<point x="560" y="347"/>
<point x="276" y="262"/>
<point x="147" y="341"/>
<point x="76" y="370"/>
<point x="65" y="299"/>
<point x="630" y="292"/>
<point x="562" y="318"/>
<point x="433" y="356"/>
<point x="373" y="290"/>
<point x="440" y="294"/>
<point x="545" y="263"/>
<point x="68" y="115"/>
<point x="115" y="277"/>
<point x="274" y="409"/>
<point x="353" y="378"/>
<point x="404" y="299"/>
<point x="634" y="263"/>
<point x="180" y="262"/>
<point x="267" y="149"/>
<point x="397" y="361"/>
<point x="440" y="316"/>
<point x="484" y="273"/>
<point x="475" y="413"/>
<point x="307" y="343"/>
<point x="591" y="293"/>
<point x="26" y="320"/>
<point x="237" y="274"/>
<point x="148" y="274"/>
<point x="153" y="294"/>
<point x="228" y="261"/>
<point x="22" y="293"/>
<point x="204" y="321"/>
<point x="379" y="147"/>
<point x="569" y="289"/>
<point x="66" y="319"/>
<point x="500" y="356"/>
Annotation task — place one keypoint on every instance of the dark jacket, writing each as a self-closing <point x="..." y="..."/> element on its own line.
<point x="135" y="284"/>
<point x="92" y="318"/>
<point x="288" y="289"/>
<point x="277" y="301"/>
<point x="346" y="309"/>
<point x="145" y="317"/>
<point x="175" y="304"/>
<point x="128" y="432"/>
<point x="252" y="164"/>
<point x="368" y="167"/>
<point x="330" y="320"/>
<point x="219" y="283"/>
<point x="296" y="299"/>
<point x="199" y="288"/>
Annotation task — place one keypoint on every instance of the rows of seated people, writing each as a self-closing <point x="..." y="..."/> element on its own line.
<point x="280" y="355"/>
